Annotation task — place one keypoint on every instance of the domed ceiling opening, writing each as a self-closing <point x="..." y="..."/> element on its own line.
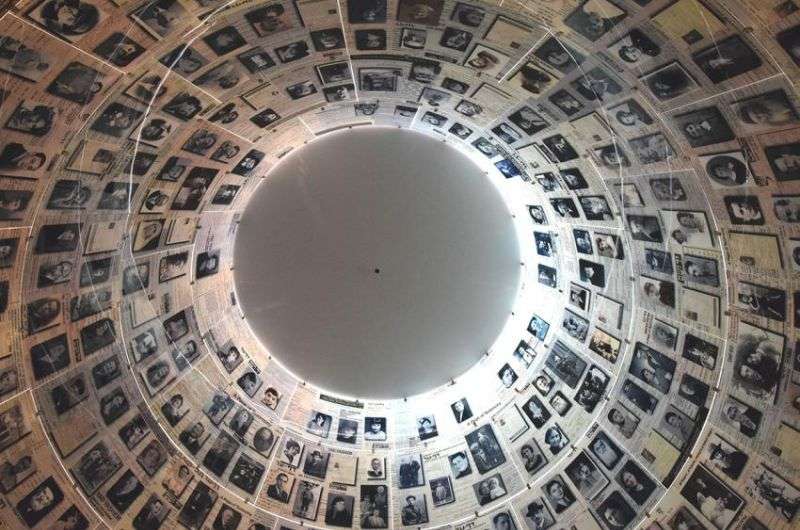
<point x="597" y="264"/>
<point x="380" y="248"/>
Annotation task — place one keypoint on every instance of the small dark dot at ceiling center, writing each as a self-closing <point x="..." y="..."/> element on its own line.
<point x="377" y="271"/>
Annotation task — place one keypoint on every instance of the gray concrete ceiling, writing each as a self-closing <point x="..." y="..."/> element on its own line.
<point x="377" y="262"/>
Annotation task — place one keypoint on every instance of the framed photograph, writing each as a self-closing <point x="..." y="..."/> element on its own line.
<point x="676" y="427"/>
<point x="663" y="334"/>
<point x="533" y="458"/>
<point x="762" y="301"/>
<point x="704" y="126"/>
<point x="414" y="511"/>
<point x="565" y="364"/>
<point x="635" y="50"/>
<point x="82" y="19"/>
<point x="198" y="506"/>
<point x="42" y="500"/>
<point x="652" y="367"/>
<point x="623" y="420"/>
<point x="566" y="102"/>
<point x="486" y="60"/>
<point x="757" y="362"/>
<point x="774" y="492"/>
<point x="765" y="112"/>
<point x="782" y="161"/>
<point x="468" y="15"/>
<point x="485" y="449"/>
<point x="490" y="489"/>
<point x="459" y="464"/>
<point x="605" y="450"/>
<point x="410" y="471"/>
<point x="161" y="17"/>
<point x="605" y="345"/>
<point x="630" y="114"/>
<point x="537" y="515"/>
<point x="688" y="228"/>
<point x="270" y="19"/>
<point x="576" y="326"/>
<point x="442" y="491"/>
<point x="597" y="85"/>
<point x="292" y="52"/>
<point x="669" y="81"/>
<point x="327" y="39"/>
<point x="378" y="79"/>
<point x="366" y="11"/>
<point x="119" y="50"/>
<point x="424" y="12"/>
<point x="558" y="494"/>
<point x="700" y="352"/>
<point x="593" y="19"/>
<point x="640" y="397"/>
<point x="559" y="55"/>
<point x="413" y="38"/>
<point x="595" y="208"/>
<point x="726" y="59"/>
<point x="703" y="485"/>
<point x="370" y="39"/>
<point x="740" y="417"/>
<point x="615" y="512"/>
<point x="586" y="476"/>
<point x="225" y="40"/>
<point x="95" y="467"/>
<point x="316" y="463"/>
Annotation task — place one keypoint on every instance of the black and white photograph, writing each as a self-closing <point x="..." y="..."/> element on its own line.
<point x="704" y="126"/>
<point x="645" y="228"/>
<point x="461" y="410"/>
<point x="117" y="120"/>
<point x="536" y="412"/>
<point x="95" y="467"/>
<point x="197" y="506"/>
<point x="487" y="61"/>
<point x="757" y="362"/>
<point x="718" y="504"/>
<point x="441" y="491"/>
<point x="586" y="476"/>
<point x="576" y="326"/>
<point x="565" y="364"/>
<point x="425" y="12"/>
<point x="558" y="494"/>
<point x="722" y="456"/>
<point x="594" y="18"/>
<point x="370" y="39"/>
<point x="555" y="439"/>
<point x="783" y="160"/>
<point x="765" y="112"/>
<point x="772" y="491"/>
<point x="652" y="367"/>
<point x="669" y="82"/>
<point x="726" y="59"/>
<point x="414" y="510"/>
<point x="740" y="417"/>
<point x="410" y="472"/>
<point x="459" y="464"/>
<point x="490" y="489"/>
<point x="615" y="512"/>
<point x="592" y="389"/>
<point x="639" y="397"/>
<point x="635" y="50"/>
<point x="761" y="300"/>
<point x="42" y="500"/>
<point x="485" y="449"/>
<point x="533" y="459"/>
